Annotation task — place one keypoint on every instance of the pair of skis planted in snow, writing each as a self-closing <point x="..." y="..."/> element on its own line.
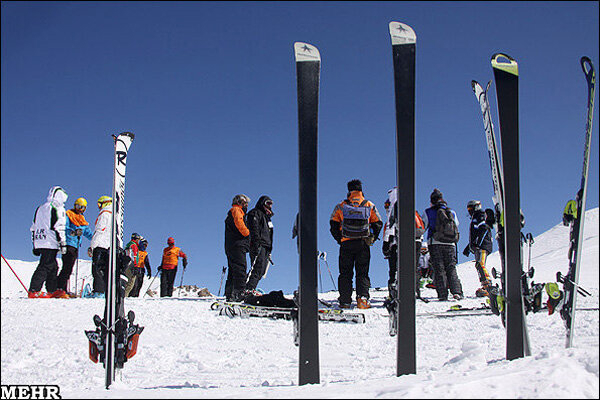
<point x="115" y="338"/>
<point x="506" y="200"/>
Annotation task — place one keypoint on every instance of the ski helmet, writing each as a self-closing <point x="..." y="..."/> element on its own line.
<point x="135" y="236"/>
<point x="170" y="241"/>
<point x="473" y="205"/>
<point x="81" y="204"/>
<point x="104" y="199"/>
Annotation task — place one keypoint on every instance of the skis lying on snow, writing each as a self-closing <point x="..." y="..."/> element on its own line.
<point x="115" y="338"/>
<point x="571" y="280"/>
<point x="457" y="311"/>
<point x="234" y="309"/>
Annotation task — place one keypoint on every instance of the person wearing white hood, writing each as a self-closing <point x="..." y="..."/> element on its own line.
<point x="48" y="237"/>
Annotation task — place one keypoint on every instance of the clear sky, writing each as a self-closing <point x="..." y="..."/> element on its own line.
<point x="209" y="90"/>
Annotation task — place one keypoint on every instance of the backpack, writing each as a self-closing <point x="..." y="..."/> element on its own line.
<point x="446" y="230"/>
<point x="356" y="220"/>
<point x="419" y="226"/>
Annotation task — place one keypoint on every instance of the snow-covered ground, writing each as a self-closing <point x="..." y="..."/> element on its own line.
<point x="188" y="351"/>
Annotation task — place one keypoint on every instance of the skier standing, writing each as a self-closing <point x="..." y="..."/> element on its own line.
<point x="261" y="240"/>
<point x="442" y="236"/>
<point x="143" y="262"/>
<point x="100" y="244"/>
<point x="480" y="244"/>
<point x="133" y="252"/>
<point x="168" y="267"/>
<point x="48" y="237"/>
<point x="390" y="247"/>
<point x="76" y="227"/>
<point x="355" y="225"/>
<point x="237" y="244"/>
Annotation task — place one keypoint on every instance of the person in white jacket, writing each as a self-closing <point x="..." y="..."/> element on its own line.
<point x="100" y="244"/>
<point x="48" y="237"/>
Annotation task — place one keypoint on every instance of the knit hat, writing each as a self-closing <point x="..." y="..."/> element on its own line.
<point x="436" y="196"/>
<point x="355" y="184"/>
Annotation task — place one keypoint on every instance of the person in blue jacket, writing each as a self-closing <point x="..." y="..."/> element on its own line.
<point x="76" y="227"/>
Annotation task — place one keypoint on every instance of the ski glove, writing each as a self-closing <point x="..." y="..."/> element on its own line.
<point x="184" y="263"/>
<point x="370" y="240"/>
<point x="467" y="251"/>
<point x="90" y="252"/>
<point x="386" y="249"/>
<point x="63" y="248"/>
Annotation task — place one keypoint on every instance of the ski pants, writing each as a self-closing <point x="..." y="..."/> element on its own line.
<point x="236" y="271"/>
<point x="99" y="269"/>
<point x="68" y="260"/>
<point x="260" y="261"/>
<point x="354" y="254"/>
<point x="443" y="260"/>
<point x="480" y="259"/>
<point x="393" y="267"/>
<point x="45" y="272"/>
<point x="167" y="277"/>
<point x="137" y="285"/>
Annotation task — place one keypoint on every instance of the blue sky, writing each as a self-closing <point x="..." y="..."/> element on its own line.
<point x="209" y="90"/>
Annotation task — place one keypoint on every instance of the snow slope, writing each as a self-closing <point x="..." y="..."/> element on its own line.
<point x="188" y="351"/>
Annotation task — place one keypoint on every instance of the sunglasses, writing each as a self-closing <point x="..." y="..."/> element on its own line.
<point x="78" y="207"/>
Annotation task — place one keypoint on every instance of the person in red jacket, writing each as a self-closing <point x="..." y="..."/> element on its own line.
<point x="168" y="267"/>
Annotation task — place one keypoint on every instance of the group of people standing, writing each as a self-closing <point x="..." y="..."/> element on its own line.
<point x="355" y="224"/>
<point x="247" y="232"/>
<point x="55" y="230"/>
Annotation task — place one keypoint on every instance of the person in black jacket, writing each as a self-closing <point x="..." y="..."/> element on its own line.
<point x="237" y="244"/>
<point x="261" y="239"/>
<point x="480" y="244"/>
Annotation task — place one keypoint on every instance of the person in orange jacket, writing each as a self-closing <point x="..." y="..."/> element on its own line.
<point x="355" y="224"/>
<point x="168" y="267"/>
<point x="237" y="244"/>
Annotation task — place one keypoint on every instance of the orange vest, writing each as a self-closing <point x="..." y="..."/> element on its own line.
<point x="170" y="254"/>
<point x="142" y="258"/>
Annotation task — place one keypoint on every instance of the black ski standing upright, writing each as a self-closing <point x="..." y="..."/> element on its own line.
<point x="506" y="74"/>
<point x="571" y="281"/>
<point x="308" y="66"/>
<point x="404" y="42"/>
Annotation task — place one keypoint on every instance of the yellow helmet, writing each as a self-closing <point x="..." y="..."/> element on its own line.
<point x="81" y="203"/>
<point x="104" y="199"/>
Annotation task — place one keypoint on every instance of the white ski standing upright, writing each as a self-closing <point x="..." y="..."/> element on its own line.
<point x="122" y="143"/>
<point x="115" y="338"/>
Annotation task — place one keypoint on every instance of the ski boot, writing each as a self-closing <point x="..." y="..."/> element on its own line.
<point x="391" y="304"/>
<point x="556" y="297"/>
<point x="363" y="303"/>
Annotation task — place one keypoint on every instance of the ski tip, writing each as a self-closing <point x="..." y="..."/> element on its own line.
<point x="402" y="33"/>
<point x="587" y="66"/>
<point x="306" y="52"/>
<point x="506" y="63"/>
<point x="131" y="135"/>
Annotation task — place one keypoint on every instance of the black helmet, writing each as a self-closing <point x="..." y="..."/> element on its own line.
<point x="135" y="236"/>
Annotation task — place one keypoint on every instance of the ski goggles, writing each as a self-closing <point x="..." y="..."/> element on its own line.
<point x="80" y="208"/>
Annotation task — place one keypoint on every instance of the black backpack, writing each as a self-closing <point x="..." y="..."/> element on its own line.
<point x="446" y="230"/>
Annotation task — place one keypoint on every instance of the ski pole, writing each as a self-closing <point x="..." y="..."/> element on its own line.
<point x="323" y="256"/>
<point x="13" y="271"/>
<point x="77" y="267"/>
<point x="151" y="282"/>
<point x="181" y="282"/>
<point x="252" y="267"/>
<point x="269" y="262"/>
<point x="222" y="275"/>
